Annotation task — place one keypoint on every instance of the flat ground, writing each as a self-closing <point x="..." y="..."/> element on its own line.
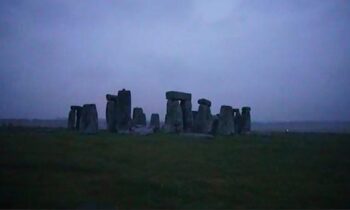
<point x="43" y="168"/>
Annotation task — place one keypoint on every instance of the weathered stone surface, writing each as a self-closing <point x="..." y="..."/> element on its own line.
<point x="110" y="97"/>
<point x="74" y="107"/>
<point x="124" y="109"/>
<point x="246" y="121"/>
<point x="226" y="124"/>
<point x="186" y="107"/>
<point x="155" y="122"/>
<point x="176" y="95"/>
<point x="204" y="101"/>
<point x="215" y="124"/>
<point x="194" y="114"/>
<point x="89" y="119"/>
<point x="138" y="117"/>
<point x="77" y="121"/>
<point x="173" y="118"/>
<point x="237" y="119"/>
<point x="203" y="121"/>
<point x="71" y="119"/>
<point x="111" y="117"/>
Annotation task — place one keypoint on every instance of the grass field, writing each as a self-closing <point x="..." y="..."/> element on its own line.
<point x="42" y="168"/>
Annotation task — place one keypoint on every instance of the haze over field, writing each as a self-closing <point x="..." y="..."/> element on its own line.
<point x="288" y="60"/>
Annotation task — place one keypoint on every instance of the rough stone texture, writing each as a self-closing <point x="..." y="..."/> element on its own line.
<point x="155" y="122"/>
<point x="175" y="95"/>
<point x="174" y="117"/>
<point x="89" y="119"/>
<point x="237" y="119"/>
<point x="204" y="101"/>
<point x="186" y="107"/>
<point x="194" y="114"/>
<point x="246" y="121"/>
<point x="124" y="109"/>
<point x="203" y="121"/>
<point x="110" y="97"/>
<point x="111" y="118"/>
<point x="138" y="117"/>
<point x="77" y="121"/>
<point x="215" y="124"/>
<point x="74" y="107"/>
<point x="71" y="119"/>
<point x="225" y="125"/>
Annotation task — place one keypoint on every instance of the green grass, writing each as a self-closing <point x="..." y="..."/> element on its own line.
<point x="43" y="168"/>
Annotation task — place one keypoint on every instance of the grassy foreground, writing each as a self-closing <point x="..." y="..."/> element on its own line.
<point x="43" y="168"/>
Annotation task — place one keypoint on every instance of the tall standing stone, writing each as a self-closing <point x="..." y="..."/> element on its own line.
<point x="186" y="107"/>
<point x="89" y="119"/>
<point x="174" y="117"/>
<point x="77" y="122"/>
<point x="155" y="122"/>
<point x="237" y="119"/>
<point x="138" y="116"/>
<point x="203" y="120"/>
<point x="124" y="109"/>
<point x="246" y="121"/>
<point x="225" y="125"/>
<point x="111" y="112"/>
<point x="179" y="116"/>
<point x="71" y="119"/>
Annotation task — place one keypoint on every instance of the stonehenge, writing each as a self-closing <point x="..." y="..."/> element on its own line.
<point x="118" y="111"/>
<point x="74" y="117"/>
<point x="138" y="117"/>
<point x="203" y="119"/>
<point x="71" y="119"/>
<point x="155" y="122"/>
<point x="178" y="117"/>
<point x="89" y="119"/>
<point x="237" y="119"/>
<point x="225" y="121"/>
<point x="111" y="112"/>
<point x="124" y="110"/>
<point x="246" y="122"/>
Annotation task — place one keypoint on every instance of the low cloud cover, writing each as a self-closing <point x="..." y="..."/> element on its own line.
<point x="288" y="60"/>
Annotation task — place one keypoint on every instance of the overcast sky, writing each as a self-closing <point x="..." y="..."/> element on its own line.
<point x="288" y="60"/>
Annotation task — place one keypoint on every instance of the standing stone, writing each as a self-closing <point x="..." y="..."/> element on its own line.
<point x="237" y="119"/>
<point x="124" y="109"/>
<point x="174" y="117"/>
<point x="77" y="122"/>
<point x="186" y="107"/>
<point x="138" y="117"/>
<point x="194" y="114"/>
<point x="226" y="125"/>
<point x="203" y="121"/>
<point x="111" y="115"/>
<point x="246" y="121"/>
<point x="179" y="96"/>
<point x="71" y="119"/>
<point x="155" y="122"/>
<point x="179" y="116"/>
<point x="215" y="124"/>
<point x="89" y="119"/>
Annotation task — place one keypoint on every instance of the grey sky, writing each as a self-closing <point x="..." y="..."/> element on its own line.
<point x="288" y="60"/>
